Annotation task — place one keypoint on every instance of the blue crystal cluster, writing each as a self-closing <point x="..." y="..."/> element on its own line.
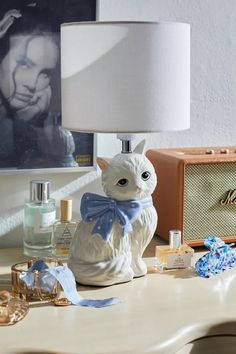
<point x="220" y="258"/>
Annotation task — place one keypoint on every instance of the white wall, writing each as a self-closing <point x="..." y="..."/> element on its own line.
<point x="213" y="94"/>
<point x="213" y="63"/>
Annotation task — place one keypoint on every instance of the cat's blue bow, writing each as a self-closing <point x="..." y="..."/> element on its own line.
<point x="107" y="210"/>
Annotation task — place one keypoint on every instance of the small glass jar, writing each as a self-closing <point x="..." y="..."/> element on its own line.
<point x="38" y="292"/>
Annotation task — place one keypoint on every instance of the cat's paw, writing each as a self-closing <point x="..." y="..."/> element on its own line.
<point x="139" y="268"/>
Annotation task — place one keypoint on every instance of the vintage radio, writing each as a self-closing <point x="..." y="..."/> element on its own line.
<point x="196" y="192"/>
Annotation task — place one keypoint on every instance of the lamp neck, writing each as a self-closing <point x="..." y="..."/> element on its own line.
<point x="126" y="139"/>
<point x="126" y="146"/>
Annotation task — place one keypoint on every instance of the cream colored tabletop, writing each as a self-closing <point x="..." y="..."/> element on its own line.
<point x="159" y="313"/>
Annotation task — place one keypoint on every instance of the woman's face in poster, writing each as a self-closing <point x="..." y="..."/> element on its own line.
<point x="26" y="69"/>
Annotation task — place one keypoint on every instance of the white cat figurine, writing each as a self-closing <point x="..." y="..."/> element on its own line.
<point x="110" y="240"/>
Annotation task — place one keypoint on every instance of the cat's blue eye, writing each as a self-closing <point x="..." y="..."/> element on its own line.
<point x="122" y="182"/>
<point x="145" y="175"/>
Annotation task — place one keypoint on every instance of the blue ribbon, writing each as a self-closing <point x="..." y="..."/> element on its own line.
<point x="107" y="211"/>
<point x="48" y="278"/>
<point x="220" y="258"/>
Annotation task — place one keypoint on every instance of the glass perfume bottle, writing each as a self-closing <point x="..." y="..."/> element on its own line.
<point x="174" y="255"/>
<point x="39" y="216"/>
<point x="63" y="230"/>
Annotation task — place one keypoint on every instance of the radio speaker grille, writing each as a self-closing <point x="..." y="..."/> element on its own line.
<point x="204" y="186"/>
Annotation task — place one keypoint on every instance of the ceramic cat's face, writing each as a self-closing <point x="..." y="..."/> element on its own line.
<point x="128" y="176"/>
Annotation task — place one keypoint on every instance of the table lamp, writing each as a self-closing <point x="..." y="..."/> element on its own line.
<point x="124" y="78"/>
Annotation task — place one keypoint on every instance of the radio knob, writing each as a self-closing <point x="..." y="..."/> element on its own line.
<point x="210" y="152"/>
<point x="224" y="151"/>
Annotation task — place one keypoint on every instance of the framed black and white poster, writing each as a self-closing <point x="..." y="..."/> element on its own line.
<point x="31" y="136"/>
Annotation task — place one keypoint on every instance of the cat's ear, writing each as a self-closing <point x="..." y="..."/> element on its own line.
<point x="140" y="147"/>
<point x="102" y="163"/>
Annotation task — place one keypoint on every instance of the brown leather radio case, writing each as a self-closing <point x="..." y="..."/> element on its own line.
<point x="196" y="192"/>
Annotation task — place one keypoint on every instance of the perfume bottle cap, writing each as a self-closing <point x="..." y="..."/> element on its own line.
<point x="175" y="238"/>
<point x="66" y="209"/>
<point x="39" y="191"/>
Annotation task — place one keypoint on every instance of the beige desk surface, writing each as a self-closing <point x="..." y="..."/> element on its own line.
<point x="159" y="314"/>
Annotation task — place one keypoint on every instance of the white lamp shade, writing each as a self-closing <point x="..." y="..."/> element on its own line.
<point x="125" y="76"/>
